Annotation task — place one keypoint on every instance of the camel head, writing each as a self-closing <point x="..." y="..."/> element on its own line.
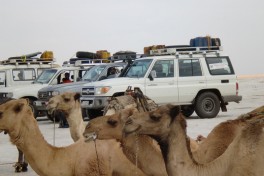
<point x="11" y="114"/>
<point x="64" y="102"/>
<point x="109" y="126"/>
<point x="153" y="123"/>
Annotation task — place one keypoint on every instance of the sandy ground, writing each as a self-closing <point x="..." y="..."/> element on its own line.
<point x="252" y="90"/>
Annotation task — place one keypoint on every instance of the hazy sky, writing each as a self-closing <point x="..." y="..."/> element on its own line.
<point x="68" y="26"/>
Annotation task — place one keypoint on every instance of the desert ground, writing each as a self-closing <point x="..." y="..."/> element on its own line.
<point x="250" y="87"/>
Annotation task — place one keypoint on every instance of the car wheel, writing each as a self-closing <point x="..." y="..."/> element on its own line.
<point x="207" y="105"/>
<point x="93" y="113"/>
<point x="33" y="108"/>
<point x="187" y="110"/>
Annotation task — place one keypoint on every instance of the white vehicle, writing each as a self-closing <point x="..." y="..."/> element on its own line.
<point x="200" y="79"/>
<point x="49" y="76"/>
<point x="16" y="72"/>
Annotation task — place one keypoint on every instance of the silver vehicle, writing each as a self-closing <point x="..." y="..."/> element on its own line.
<point x="95" y="73"/>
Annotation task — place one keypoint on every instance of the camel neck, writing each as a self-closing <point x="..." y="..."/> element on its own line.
<point x="32" y="143"/>
<point x="143" y="148"/>
<point x="76" y="123"/>
<point x="179" y="160"/>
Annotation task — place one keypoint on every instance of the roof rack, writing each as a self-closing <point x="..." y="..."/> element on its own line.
<point x="187" y="51"/>
<point x="83" y="61"/>
<point x="25" y="61"/>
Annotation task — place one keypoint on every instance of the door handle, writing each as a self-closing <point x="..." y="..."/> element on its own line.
<point x="225" y="81"/>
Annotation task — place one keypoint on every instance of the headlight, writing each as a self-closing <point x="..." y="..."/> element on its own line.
<point x="102" y="90"/>
<point x="54" y="93"/>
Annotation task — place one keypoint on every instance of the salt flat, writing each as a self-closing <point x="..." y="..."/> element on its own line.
<point x="252" y="90"/>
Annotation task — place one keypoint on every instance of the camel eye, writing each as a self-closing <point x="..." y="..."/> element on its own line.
<point x="155" y="117"/>
<point x="66" y="99"/>
<point x="112" y="122"/>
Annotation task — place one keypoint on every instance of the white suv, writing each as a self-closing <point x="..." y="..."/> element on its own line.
<point x="16" y="72"/>
<point x="200" y="79"/>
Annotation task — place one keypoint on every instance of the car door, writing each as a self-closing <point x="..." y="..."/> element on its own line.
<point x="161" y="84"/>
<point x="191" y="79"/>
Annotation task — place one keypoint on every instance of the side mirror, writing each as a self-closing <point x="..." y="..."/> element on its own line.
<point x="152" y="75"/>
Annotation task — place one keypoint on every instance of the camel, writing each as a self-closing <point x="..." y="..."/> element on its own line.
<point x="168" y="127"/>
<point x="80" y="158"/>
<point x="222" y="135"/>
<point x="21" y="164"/>
<point x="69" y="104"/>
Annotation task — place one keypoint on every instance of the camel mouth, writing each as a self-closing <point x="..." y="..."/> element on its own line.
<point x="51" y="110"/>
<point x="132" y="129"/>
<point x="90" y="136"/>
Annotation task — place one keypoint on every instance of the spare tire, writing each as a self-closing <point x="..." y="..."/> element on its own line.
<point x="85" y="54"/>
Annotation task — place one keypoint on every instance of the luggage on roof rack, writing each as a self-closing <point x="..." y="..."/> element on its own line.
<point x="124" y="55"/>
<point x="47" y="55"/>
<point x="186" y="50"/>
<point x="206" y="41"/>
<point x="86" y="54"/>
<point x="25" y="56"/>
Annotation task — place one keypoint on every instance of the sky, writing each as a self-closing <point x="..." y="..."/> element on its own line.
<point x="68" y="26"/>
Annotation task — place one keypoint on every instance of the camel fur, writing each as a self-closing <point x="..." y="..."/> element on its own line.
<point x="168" y="126"/>
<point x="80" y="158"/>
<point x="69" y="104"/>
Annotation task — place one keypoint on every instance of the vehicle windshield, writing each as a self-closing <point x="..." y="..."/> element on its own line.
<point x="138" y="68"/>
<point x="93" y="73"/>
<point x="45" y="76"/>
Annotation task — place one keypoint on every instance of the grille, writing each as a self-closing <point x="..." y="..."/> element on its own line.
<point x="43" y="95"/>
<point x="88" y="91"/>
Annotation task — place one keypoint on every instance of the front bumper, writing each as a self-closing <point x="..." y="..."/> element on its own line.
<point x="41" y="105"/>
<point x="94" y="102"/>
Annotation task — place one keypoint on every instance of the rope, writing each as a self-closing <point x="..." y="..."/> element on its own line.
<point x="137" y="150"/>
<point x="53" y="128"/>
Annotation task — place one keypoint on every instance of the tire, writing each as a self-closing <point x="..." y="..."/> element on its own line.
<point x="187" y="110"/>
<point x="33" y="108"/>
<point x="51" y="117"/>
<point x="93" y="113"/>
<point x="207" y="105"/>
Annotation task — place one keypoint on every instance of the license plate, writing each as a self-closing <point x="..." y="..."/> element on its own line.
<point x="38" y="103"/>
<point x="85" y="103"/>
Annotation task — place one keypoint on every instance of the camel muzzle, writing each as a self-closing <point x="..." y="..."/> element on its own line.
<point x="90" y="136"/>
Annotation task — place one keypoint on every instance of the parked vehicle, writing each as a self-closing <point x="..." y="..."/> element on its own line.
<point x="51" y="76"/>
<point x="96" y="73"/>
<point x="201" y="79"/>
<point x="21" y="71"/>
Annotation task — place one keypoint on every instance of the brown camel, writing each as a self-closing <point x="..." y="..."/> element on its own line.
<point x="168" y="126"/>
<point x="222" y="135"/>
<point x="21" y="164"/>
<point x="80" y="158"/>
<point x="69" y="104"/>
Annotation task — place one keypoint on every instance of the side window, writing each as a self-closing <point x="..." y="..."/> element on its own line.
<point x="163" y="68"/>
<point x="219" y="66"/>
<point x="2" y="79"/>
<point x="24" y="74"/>
<point x="189" y="67"/>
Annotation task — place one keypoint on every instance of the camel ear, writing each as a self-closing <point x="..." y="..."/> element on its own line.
<point x="18" y="107"/>
<point x="77" y="96"/>
<point x="174" y="110"/>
